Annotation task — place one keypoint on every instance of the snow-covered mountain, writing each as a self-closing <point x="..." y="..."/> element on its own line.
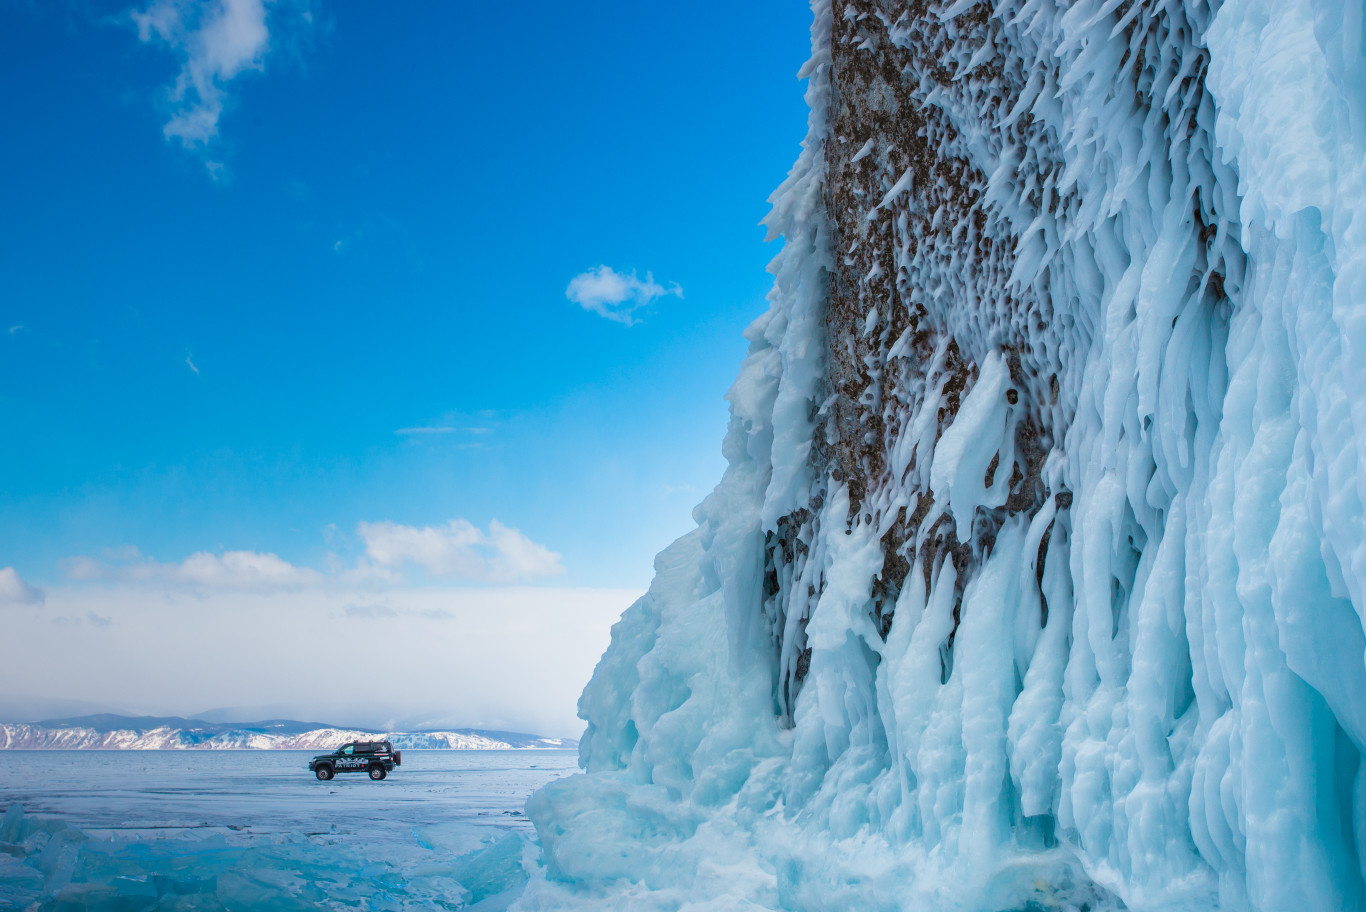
<point x="109" y="732"/>
<point x="1038" y="574"/>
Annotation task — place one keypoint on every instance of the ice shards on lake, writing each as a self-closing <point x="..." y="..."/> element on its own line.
<point x="249" y="830"/>
<point x="52" y="865"/>
<point x="1038" y="575"/>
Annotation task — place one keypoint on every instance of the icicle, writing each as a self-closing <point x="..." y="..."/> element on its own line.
<point x="1038" y="575"/>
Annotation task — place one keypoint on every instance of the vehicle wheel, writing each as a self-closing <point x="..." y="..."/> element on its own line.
<point x="377" y="773"/>
<point x="323" y="773"/>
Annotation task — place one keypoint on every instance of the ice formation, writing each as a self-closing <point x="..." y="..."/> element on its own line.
<point x="253" y="831"/>
<point x="50" y="866"/>
<point x="1037" y="576"/>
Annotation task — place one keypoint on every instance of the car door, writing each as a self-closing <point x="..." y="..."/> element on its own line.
<point x="346" y="759"/>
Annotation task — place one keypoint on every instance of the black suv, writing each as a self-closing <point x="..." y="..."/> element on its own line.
<point x="378" y="758"/>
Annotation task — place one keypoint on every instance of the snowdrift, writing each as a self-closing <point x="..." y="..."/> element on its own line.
<point x="1037" y="576"/>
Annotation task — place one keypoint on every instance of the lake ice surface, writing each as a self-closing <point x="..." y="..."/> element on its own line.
<point x="254" y="829"/>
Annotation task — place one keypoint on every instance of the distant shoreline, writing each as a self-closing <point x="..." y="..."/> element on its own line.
<point x="121" y="733"/>
<point x="266" y="750"/>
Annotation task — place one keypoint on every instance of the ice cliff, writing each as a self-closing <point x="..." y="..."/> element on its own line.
<point x="1038" y="573"/>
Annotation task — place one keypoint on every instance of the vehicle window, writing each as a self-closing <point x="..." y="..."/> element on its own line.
<point x="348" y="749"/>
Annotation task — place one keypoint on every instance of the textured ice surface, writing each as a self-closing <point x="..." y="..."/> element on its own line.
<point x="249" y="830"/>
<point x="1038" y="573"/>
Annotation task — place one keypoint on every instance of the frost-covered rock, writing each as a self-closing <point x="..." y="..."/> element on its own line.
<point x="1038" y="575"/>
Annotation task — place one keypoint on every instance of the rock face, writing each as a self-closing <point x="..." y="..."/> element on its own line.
<point x="1038" y="574"/>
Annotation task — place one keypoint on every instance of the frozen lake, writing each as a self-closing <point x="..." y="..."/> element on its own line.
<point x="239" y="829"/>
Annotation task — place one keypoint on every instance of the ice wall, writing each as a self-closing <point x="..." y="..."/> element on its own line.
<point x="1038" y="574"/>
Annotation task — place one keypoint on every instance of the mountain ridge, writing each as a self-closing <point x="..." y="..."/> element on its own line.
<point x="112" y="731"/>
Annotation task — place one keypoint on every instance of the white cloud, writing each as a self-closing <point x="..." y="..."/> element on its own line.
<point x="15" y="591"/>
<point x="458" y="549"/>
<point x="430" y="430"/>
<point x="244" y="570"/>
<point x="85" y="568"/>
<point x="615" y="295"/>
<point x="237" y="570"/>
<point x="216" y="40"/>
<point x="409" y="431"/>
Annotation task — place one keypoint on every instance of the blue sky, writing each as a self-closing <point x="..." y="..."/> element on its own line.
<point x="329" y="288"/>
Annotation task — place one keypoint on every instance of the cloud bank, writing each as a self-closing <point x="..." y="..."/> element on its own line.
<point x="457" y="551"/>
<point x="491" y="657"/>
<point x="463" y="640"/>
<point x="241" y="570"/>
<point x="615" y="295"/>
